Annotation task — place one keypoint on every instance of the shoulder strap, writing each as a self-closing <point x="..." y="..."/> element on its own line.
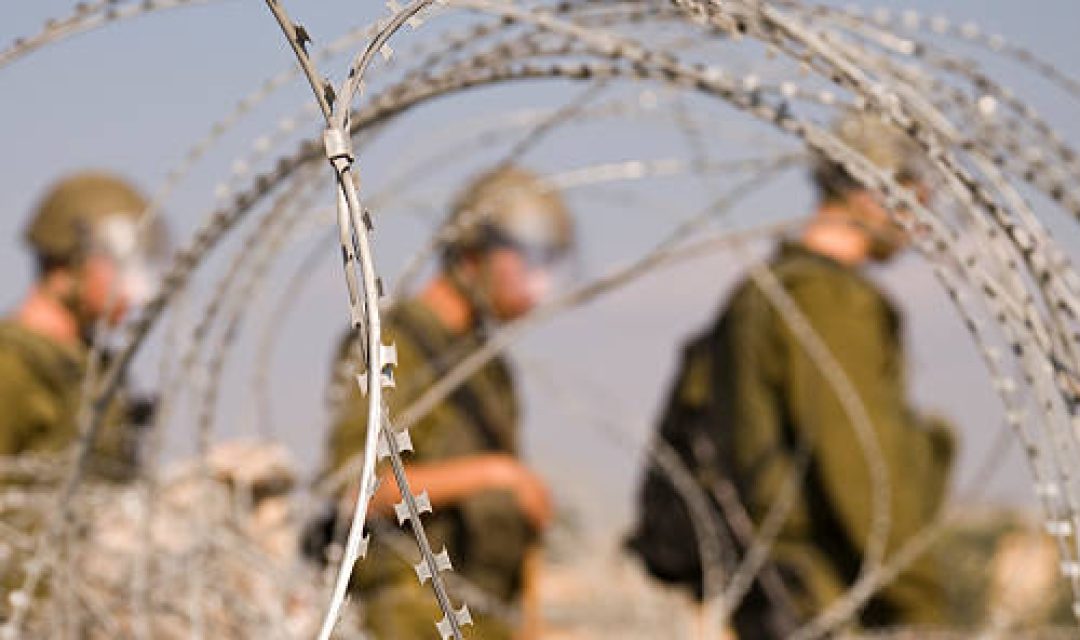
<point x="464" y="397"/>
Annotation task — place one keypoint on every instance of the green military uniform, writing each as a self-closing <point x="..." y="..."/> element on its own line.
<point x="40" y="384"/>
<point x="772" y="396"/>
<point x="486" y="535"/>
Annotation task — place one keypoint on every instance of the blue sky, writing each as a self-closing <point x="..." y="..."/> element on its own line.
<point x="132" y="97"/>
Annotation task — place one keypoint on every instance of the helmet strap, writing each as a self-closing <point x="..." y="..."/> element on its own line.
<point x="482" y="315"/>
<point x="87" y="324"/>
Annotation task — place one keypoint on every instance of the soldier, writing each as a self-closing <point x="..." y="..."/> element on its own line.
<point x="772" y="415"/>
<point x="92" y="266"/>
<point x="508" y="229"/>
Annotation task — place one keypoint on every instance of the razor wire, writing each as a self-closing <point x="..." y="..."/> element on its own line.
<point x="911" y="20"/>
<point x="706" y="529"/>
<point x="292" y="210"/>
<point x="86" y="16"/>
<point x="583" y="177"/>
<point x="1010" y="244"/>
<point x="355" y="224"/>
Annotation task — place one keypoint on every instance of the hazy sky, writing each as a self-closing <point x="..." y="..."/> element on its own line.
<point x="132" y="97"/>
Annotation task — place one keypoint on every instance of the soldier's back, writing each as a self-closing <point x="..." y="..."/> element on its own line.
<point x="777" y="400"/>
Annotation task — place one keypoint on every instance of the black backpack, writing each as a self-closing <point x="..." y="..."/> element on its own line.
<point x="664" y="536"/>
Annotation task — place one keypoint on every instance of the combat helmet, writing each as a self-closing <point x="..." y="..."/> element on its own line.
<point x="512" y="207"/>
<point x="880" y="142"/>
<point x="81" y="212"/>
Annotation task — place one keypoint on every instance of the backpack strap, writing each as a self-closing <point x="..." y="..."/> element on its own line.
<point x="464" y="397"/>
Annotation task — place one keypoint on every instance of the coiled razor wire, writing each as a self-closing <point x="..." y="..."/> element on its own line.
<point x="87" y="16"/>
<point x="1008" y="278"/>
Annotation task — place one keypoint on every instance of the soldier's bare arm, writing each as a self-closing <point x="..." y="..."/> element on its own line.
<point x="453" y="480"/>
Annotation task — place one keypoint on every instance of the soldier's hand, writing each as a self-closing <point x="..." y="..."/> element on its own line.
<point x="532" y="495"/>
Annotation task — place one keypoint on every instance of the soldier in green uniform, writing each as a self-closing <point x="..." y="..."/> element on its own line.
<point x="91" y="266"/>
<point x="489" y="508"/>
<point x="777" y="417"/>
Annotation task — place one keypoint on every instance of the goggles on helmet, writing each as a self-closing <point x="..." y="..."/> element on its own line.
<point x="121" y="238"/>
<point x="535" y="254"/>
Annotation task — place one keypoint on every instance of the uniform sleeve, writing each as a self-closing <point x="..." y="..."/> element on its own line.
<point x="852" y="326"/>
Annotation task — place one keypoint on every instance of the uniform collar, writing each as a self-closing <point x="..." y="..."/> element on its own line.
<point x="791" y="248"/>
